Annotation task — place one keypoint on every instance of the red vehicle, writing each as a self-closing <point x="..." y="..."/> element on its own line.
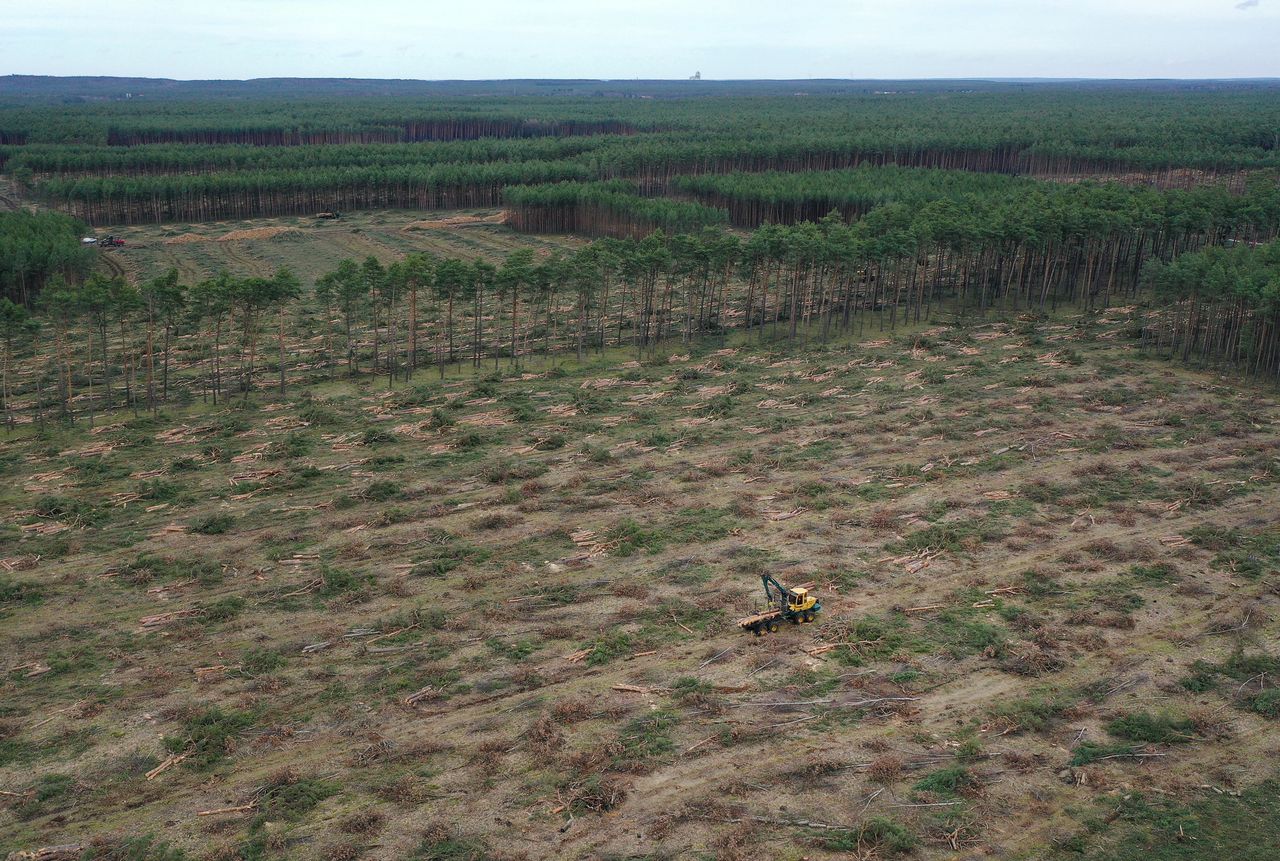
<point x="110" y="242"/>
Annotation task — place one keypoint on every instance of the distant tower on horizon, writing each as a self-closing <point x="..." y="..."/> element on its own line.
<point x="696" y="76"/>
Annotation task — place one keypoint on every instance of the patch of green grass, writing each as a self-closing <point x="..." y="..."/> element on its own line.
<point x="647" y="736"/>
<point x="1205" y="827"/>
<point x="1090" y="751"/>
<point x="447" y="552"/>
<point x="293" y="445"/>
<point x="960" y="636"/>
<point x="451" y="849"/>
<point x="686" y="613"/>
<point x="145" y="848"/>
<point x="877" y="637"/>
<point x="92" y="473"/>
<point x="511" y="650"/>
<point x="1100" y="489"/>
<point x="384" y="462"/>
<point x="1201" y="679"/>
<point x="376" y="436"/>
<point x="953" y="536"/>
<point x="505" y="469"/>
<point x="149" y="566"/>
<point x="159" y="490"/>
<point x="335" y="581"/>
<point x="1242" y="667"/>
<point x="688" y="526"/>
<point x="1160" y="572"/>
<point x="15" y="751"/>
<point x="1012" y="508"/>
<point x="15" y="592"/>
<point x="1043" y="491"/>
<point x="1034" y="713"/>
<point x="49" y="790"/>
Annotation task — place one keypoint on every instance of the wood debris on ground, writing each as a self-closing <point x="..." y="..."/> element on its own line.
<point x="913" y="562"/>
<point x="45" y="527"/>
<point x="167" y="764"/>
<point x="587" y="538"/>
<point x="161" y="619"/>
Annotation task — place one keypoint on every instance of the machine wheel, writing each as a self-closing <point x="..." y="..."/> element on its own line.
<point x="795" y="620"/>
<point x="773" y="627"/>
<point x="757" y="630"/>
<point x="808" y="617"/>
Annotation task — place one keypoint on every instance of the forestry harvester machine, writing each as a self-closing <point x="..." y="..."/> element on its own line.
<point x="794" y="605"/>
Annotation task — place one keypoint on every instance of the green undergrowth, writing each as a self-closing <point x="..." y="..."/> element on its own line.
<point x="1207" y="826"/>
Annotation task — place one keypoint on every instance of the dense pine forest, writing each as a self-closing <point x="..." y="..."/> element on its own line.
<point x="798" y="216"/>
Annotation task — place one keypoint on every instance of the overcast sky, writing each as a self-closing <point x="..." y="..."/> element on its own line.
<point x="641" y="38"/>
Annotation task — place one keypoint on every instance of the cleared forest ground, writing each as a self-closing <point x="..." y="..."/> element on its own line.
<point x="494" y="616"/>
<point x="312" y="247"/>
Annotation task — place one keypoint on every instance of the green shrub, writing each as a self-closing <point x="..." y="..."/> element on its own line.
<point x="67" y="508"/>
<point x="1242" y="667"/>
<point x="214" y="524"/>
<point x="336" y="581"/>
<point x="258" y="660"/>
<point x="19" y="591"/>
<point x="878" y="835"/>
<point x="1267" y="703"/>
<point x="224" y="610"/>
<point x="1201" y="678"/>
<point x="1141" y="726"/>
<point x="376" y="436"/>
<point x="209" y="736"/>
<point x="613" y="644"/>
<point x="319" y="416"/>
<point x="291" y="799"/>
<point x="159" y="490"/>
<point x="293" y="445"/>
<point x="948" y="782"/>
<point x="382" y="491"/>
<point x="960" y="636"/>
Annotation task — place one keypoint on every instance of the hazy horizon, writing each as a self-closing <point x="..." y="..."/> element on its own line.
<point x="656" y="40"/>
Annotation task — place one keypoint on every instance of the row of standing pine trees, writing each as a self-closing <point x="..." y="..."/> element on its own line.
<point x="105" y="343"/>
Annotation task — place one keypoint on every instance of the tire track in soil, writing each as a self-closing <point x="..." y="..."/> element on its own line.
<point x="116" y="267"/>
<point x="250" y="266"/>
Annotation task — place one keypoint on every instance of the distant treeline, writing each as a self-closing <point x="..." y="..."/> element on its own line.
<point x="248" y="194"/>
